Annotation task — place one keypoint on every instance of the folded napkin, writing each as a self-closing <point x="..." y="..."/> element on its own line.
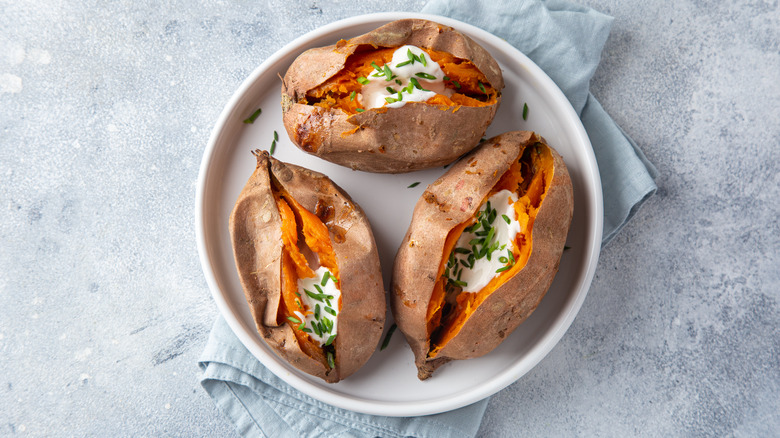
<point x="565" y="40"/>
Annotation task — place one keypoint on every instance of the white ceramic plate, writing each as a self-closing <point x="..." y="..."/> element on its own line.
<point x="387" y="384"/>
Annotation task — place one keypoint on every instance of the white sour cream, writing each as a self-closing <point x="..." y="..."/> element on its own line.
<point x="428" y="75"/>
<point x="505" y="235"/>
<point x="320" y="303"/>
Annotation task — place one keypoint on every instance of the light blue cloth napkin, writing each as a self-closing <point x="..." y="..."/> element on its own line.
<point x="565" y="40"/>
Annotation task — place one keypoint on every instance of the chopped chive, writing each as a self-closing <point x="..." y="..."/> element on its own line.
<point x="401" y="64"/>
<point x="506" y="218"/>
<point x="251" y="119"/>
<point x="464" y="263"/>
<point x="306" y="329"/>
<point x="330" y="340"/>
<point x="446" y="78"/>
<point x="482" y="87"/>
<point x="325" y="278"/>
<point x="511" y="256"/>
<point x="389" y="334"/>
<point x="316" y="329"/>
<point x="410" y="55"/>
<point x="302" y="326"/>
<point x="317" y="311"/>
<point x="276" y="136"/>
<point x="425" y="76"/>
<point x="462" y="250"/>
<point x="319" y="289"/>
<point x="391" y="100"/>
<point x="460" y="283"/>
<point x="456" y="84"/>
<point x="331" y="311"/>
<point x="352" y="95"/>
<point x="502" y="269"/>
<point x="313" y="295"/>
<point x="398" y="81"/>
<point x="400" y="96"/>
<point x="363" y="80"/>
<point x="388" y="73"/>
<point x="273" y="148"/>
<point x="503" y="259"/>
<point x="409" y="88"/>
<point x="414" y="184"/>
<point x="331" y="362"/>
<point x="359" y="110"/>
<point x="378" y="68"/>
<point x="390" y="90"/>
<point x="298" y="293"/>
<point x="294" y="319"/>
<point x="422" y="59"/>
<point x="525" y="111"/>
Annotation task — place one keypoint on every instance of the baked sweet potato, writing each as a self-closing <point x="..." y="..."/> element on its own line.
<point x="309" y="267"/>
<point x="482" y="249"/>
<point x="412" y="94"/>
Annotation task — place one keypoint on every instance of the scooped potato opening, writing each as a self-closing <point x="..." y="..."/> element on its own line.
<point x="311" y="298"/>
<point x="389" y="77"/>
<point x="482" y="253"/>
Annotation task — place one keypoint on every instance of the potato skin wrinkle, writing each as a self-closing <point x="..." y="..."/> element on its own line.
<point x="418" y="135"/>
<point x="266" y="268"/>
<point x="450" y="203"/>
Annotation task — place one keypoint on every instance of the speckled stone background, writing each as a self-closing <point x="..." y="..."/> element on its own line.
<point x="105" y="110"/>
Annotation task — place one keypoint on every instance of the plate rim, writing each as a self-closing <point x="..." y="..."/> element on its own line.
<point x="536" y="353"/>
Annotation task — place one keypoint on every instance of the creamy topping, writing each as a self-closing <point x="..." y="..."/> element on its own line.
<point x="320" y="298"/>
<point x="484" y="250"/>
<point x="411" y="76"/>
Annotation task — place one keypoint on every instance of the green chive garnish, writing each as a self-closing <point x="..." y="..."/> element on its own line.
<point x="352" y="95"/>
<point x="414" y="184"/>
<point x="306" y="329"/>
<point x="502" y="269"/>
<point x="506" y="218"/>
<point x="331" y="362"/>
<point x="410" y="55"/>
<point x="525" y="111"/>
<point x="446" y="78"/>
<point x="456" y="84"/>
<point x="359" y="110"/>
<point x="388" y="73"/>
<point x="422" y="59"/>
<point x="319" y="289"/>
<point x="425" y="75"/>
<point x="398" y="81"/>
<point x="293" y="319"/>
<point x="389" y="334"/>
<point x="273" y="148"/>
<point x="325" y="278"/>
<point x="363" y="80"/>
<point x="276" y="136"/>
<point x="317" y="311"/>
<point x="481" y="87"/>
<point x="390" y="90"/>
<point x="330" y="340"/>
<point x="401" y="64"/>
<point x="254" y="116"/>
<point x="331" y="311"/>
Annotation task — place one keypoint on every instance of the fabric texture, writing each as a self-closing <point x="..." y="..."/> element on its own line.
<point x="566" y="41"/>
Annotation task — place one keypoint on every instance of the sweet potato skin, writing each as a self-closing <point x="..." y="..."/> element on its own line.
<point x="451" y="200"/>
<point x="255" y="230"/>
<point x="387" y="140"/>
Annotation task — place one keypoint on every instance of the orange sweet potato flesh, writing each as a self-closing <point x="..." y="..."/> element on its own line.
<point x="337" y="91"/>
<point x="297" y="219"/>
<point x="530" y="198"/>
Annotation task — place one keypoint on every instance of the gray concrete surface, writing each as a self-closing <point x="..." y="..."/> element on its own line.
<point x="105" y="110"/>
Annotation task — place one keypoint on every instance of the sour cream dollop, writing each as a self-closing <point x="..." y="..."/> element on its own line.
<point x="414" y="77"/>
<point x="321" y="305"/>
<point x="473" y="266"/>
